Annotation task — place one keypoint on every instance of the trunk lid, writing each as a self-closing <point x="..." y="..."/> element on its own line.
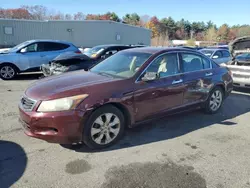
<point x="239" y="46"/>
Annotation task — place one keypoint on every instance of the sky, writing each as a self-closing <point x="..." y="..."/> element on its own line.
<point x="218" y="11"/>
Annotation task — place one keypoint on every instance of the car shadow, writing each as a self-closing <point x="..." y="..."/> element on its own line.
<point x="30" y="76"/>
<point x="243" y="90"/>
<point x="178" y="125"/>
<point x="13" y="162"/>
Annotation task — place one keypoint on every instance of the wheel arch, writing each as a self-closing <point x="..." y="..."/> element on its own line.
<point x="220" y="85"/>
<point x="125" y="112"/>
<point x="119" y="106"/>
<point x="8" y="63"/>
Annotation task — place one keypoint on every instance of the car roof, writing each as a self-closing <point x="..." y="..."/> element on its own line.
<point x="154" y="50"/>
<point x="111" y="45"/>
<point x="213" y="49"/>
<point x="49" y="40"/>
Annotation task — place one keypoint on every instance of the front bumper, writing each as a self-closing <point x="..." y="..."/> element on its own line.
<point x="53" y="69"/>
<point x="55" y="127"/>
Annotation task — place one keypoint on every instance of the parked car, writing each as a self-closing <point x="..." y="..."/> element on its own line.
<point x="220" y="56"/>
<point x="71" y="62"/>
<point x="30" y="55"/>
<point x="130" y="87"/>
<point x="193" y="48"/>
<point x="240" y="64"/>
<point x="67" y="62"/>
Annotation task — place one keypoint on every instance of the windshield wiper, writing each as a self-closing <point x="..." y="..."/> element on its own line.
<point x="105" y="74"/>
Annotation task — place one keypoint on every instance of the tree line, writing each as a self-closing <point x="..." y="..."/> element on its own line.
<point x="162" y="29"/>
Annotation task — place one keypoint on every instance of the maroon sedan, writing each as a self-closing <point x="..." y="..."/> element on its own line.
<point x="129" y="88"/>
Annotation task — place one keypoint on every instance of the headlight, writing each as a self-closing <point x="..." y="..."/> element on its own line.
<point x="61" y="104"/>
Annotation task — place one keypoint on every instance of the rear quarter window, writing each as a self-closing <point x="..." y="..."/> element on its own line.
<point x="52" y="46"/>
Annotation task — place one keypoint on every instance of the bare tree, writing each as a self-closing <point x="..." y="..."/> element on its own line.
<point x="38" y="12"/>
<point x="79" y="16"/>
<point x="68" y="17"/>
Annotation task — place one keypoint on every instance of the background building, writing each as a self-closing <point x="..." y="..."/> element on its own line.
<point x="82" y="33"/>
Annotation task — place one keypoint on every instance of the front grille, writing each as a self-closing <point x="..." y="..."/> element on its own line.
<point x="27" y="104"/>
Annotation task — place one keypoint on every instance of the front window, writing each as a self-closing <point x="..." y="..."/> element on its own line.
<point x="207" y="53"/>
<point x="219" y="54"/>
<point x="123" y="64"/>
<point x="93" y="52"/>
<point x="165" y="65"/>
<point x="32" y="48"/>
<point x="225" y="53"/>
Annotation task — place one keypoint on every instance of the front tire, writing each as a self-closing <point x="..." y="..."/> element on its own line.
<point x="214" y="101"/>
<point x="104" y="127"/>
<point x="7" y="72"/>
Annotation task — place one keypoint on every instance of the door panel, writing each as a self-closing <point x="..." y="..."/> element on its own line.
<point x="34" y="59"/>
<point x="197" y="85"/>
<point x="162" y="94"/>
<point x="157" y="96"/>
<point x="197" y="77"/>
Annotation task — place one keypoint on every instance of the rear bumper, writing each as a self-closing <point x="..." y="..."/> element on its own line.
<point x="241" y="82"/>
<point x="56" y="127"/>
<point x="241" y="75"/>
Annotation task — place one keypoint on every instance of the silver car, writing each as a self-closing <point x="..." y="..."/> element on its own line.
<point x="240" y="63"/>
<point x="220" y="56"/>
<point x="30" y="55"/>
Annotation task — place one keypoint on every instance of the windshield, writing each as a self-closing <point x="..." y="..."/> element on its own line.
<point x="19" y="46"/>
<point x="207" y="52"/>
<point x="123" y="64"/>
<point x="93" y="52"/>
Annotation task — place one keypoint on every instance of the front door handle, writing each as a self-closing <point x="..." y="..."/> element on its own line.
<point x="209" y="74"/>
<point x="177" y="81"/>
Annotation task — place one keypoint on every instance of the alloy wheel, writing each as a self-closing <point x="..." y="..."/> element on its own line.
<point x="105" y="128"/>
<point x="7" y="72"/>
<point x="215" y="100"/>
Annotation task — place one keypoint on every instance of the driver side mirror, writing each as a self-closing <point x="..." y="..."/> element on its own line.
<point x="23" y="50"/>
<point x="149" y="76"/>
<point x="215" y="57"/>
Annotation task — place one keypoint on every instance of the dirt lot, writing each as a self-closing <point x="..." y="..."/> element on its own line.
<point x="188" y="150"/>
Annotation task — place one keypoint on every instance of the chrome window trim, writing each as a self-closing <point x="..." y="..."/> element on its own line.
<point x="178" y="60"/>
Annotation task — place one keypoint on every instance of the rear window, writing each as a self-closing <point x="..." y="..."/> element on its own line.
<point x="52" y="46"/>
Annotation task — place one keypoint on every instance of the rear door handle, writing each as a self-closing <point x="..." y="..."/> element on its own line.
<point x="209" y="74"/>
<point x="177" y="81"/>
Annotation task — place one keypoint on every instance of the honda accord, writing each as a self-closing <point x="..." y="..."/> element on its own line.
<point x="126" y="89"/>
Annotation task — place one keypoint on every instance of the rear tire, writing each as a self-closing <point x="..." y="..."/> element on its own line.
<point x="7" y="72"/>
<point x="104" y="127"/>
<point x="214" y="101"/>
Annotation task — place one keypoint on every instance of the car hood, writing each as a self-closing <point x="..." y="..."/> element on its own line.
<point x="239" y="46"/>
<point x="67" y="84"/>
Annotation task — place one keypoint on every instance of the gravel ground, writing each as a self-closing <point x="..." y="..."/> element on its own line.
<point x="187" y="150"/>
